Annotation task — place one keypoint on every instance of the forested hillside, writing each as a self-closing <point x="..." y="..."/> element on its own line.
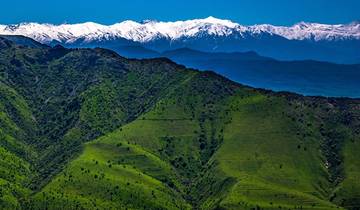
<point x="89" y="129"/>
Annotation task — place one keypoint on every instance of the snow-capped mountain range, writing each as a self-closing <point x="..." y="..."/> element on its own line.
<point x="335" y="43"/>
<point x="152" y="30"/>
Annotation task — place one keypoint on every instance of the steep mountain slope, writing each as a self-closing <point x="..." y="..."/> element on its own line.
<point x="248" y="151"/>
<point x="72" y="102"/>
<point x="108" y="132"/>
<point x="336" y="43"/>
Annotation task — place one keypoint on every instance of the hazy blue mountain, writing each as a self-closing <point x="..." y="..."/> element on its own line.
<point x="137" y="52"/>
<point x="306" y="77"/>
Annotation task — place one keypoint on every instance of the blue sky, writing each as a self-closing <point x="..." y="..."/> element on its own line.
<point x="278" y="12"/>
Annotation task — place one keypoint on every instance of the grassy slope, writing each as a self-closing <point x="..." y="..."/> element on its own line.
<point x="243" y="150"/>
<point x="272" y="167"/>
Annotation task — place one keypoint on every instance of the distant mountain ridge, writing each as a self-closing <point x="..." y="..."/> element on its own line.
<point x="305" y="77"/>
<point x="336" y="43"/>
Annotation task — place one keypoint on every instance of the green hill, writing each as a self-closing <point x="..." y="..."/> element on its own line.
<point x="88" y="129"/>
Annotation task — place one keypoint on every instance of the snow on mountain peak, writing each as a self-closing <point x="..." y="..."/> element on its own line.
<point x="152" y="30"/>
<point x="213" y="20"/>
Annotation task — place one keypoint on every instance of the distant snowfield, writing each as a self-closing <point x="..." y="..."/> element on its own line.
<point x="153" y="30"/>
